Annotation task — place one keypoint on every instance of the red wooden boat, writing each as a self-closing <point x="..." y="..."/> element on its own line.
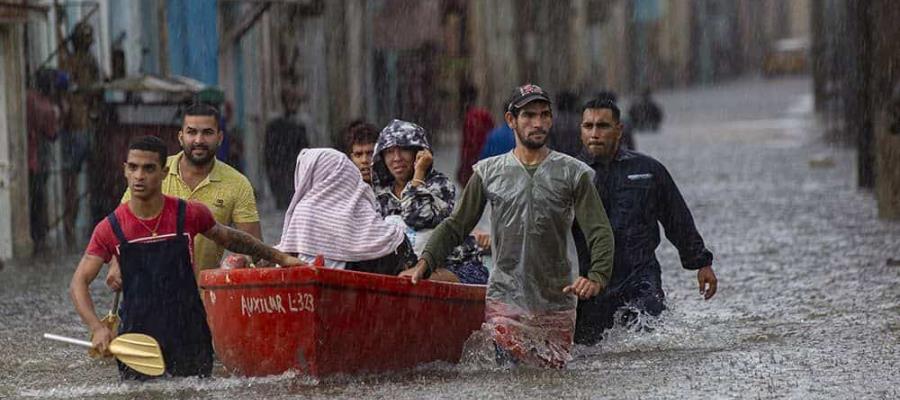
<point x="322" y="321"/>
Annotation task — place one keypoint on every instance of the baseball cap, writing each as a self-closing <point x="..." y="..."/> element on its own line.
<point x="525" y="94"/>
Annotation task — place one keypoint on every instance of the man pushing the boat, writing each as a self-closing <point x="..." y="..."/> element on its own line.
<point x="151" y="236"/>
<point x="534" y="193"/>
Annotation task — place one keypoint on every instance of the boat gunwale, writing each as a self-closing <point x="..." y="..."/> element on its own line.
<point x="218" y="280"/>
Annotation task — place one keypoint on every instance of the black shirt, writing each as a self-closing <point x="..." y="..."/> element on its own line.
<point x="638" y="193"/>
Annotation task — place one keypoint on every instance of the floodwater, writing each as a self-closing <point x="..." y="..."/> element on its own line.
<point x="808" y="303"/>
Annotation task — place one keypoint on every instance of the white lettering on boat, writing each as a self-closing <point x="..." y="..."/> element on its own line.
<point x="296" y="302"/>
<point x="301" y="302"/>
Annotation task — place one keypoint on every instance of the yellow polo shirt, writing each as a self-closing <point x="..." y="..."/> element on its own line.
<point x="226" y="192"/>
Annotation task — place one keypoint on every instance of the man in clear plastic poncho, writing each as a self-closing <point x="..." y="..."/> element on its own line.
<point x="535" y="193"/>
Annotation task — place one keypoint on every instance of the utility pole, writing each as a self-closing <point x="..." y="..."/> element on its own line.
<point x="858" y="111"/>
<point x="818" y="48"/>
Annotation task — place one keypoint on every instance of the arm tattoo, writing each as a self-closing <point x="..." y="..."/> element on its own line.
<point x="244" y="243"/>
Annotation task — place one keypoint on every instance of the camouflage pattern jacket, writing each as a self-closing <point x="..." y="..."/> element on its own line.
<point x="422" y="206"/>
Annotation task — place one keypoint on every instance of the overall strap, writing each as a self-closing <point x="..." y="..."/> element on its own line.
<point x="117" y="229"/>
<point x="182" y="206"/>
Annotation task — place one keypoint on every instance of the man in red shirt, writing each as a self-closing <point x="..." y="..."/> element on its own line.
<point x="475" y="129"/>
<point x="43" y="116"/>
<point x="151" y="235"/>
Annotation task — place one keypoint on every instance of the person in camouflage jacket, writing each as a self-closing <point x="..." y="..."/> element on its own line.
<point x="409" y="188"/>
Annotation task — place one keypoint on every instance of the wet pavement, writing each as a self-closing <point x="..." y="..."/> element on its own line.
<point x="808" y="303"/>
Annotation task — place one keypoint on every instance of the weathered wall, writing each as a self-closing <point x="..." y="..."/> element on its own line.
<point x="576" y="45"/>
<point x="495" y="66"/>
<point x="857" y="67"/>
<point x="615" y="47"/>
<point x="799" y="20"/>
<point x="675" y="44"/>
<point x="335" y="32"/>
<point x="884" y="101"/>
<point x="15" y="240"/>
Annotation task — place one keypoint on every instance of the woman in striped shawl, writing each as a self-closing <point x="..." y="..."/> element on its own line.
<point x="333" y="214"/>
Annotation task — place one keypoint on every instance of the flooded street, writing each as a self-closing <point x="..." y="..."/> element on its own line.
<point x="808" y="303"/>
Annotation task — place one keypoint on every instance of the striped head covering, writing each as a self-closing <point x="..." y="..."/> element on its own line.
<point x="333" y="212"/>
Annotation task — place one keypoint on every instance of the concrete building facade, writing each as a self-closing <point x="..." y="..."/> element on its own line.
<point x="14" y="224"/>
<point x="383" y="59"/>
<point x="856" y="71"/>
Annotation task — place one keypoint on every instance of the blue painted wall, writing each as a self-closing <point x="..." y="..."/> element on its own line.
<point x="193" y="39"/>
<point x="647" y="10"/>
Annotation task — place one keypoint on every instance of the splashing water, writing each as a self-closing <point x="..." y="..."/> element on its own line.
<point x="808" y="304"/>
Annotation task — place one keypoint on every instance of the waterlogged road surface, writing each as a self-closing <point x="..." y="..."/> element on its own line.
<point x="808" y="303"/>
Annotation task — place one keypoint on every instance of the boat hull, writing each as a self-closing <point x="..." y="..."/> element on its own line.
<point x="321" y="321"/>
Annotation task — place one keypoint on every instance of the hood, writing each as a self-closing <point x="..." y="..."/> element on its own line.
<point x="396" y="133"/>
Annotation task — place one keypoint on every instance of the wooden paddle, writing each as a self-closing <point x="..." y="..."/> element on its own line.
<point x="136" y="350"/>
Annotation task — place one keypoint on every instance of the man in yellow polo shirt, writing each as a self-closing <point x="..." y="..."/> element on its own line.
<point x="195" y="174"/>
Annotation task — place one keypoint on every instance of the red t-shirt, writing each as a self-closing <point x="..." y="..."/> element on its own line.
<point x="475" y="130"/>
<point x="42" y="124"/>
<point x="105" y="244"/>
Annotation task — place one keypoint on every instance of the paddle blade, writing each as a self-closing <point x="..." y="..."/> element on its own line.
<point x="140" y="352"/>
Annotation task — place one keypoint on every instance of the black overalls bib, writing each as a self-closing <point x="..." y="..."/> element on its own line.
<point x="160" y="299"/>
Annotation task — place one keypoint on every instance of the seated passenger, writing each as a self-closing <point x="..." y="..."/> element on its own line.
<point x="360" y="138"/>
<point x="332" y="214"/>
<point x="412" y="194"/>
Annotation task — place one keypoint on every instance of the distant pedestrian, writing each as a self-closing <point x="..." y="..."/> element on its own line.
<point x="500" y="140"/>
<point x="231" y="151"/>
<point x="80" y="119"/>
<point x="476" y="125"/>
<point x="638" y="195"/>
<point x="43" y="124"/>
<point x="565" y="136"/>
<point x="646" y="114"/>
<point x="285" y="137"/>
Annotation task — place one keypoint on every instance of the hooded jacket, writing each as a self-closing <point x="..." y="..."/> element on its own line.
<point x="423" y="206"/>
<point x="420" y="207"/>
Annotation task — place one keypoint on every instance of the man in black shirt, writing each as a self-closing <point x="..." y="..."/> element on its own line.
<point x="565" y="133"/>
<point x="638" y="194"/>
<point x="285" y="137"/>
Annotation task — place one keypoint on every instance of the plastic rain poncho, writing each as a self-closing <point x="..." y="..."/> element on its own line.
<point x="527" y="314"/>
